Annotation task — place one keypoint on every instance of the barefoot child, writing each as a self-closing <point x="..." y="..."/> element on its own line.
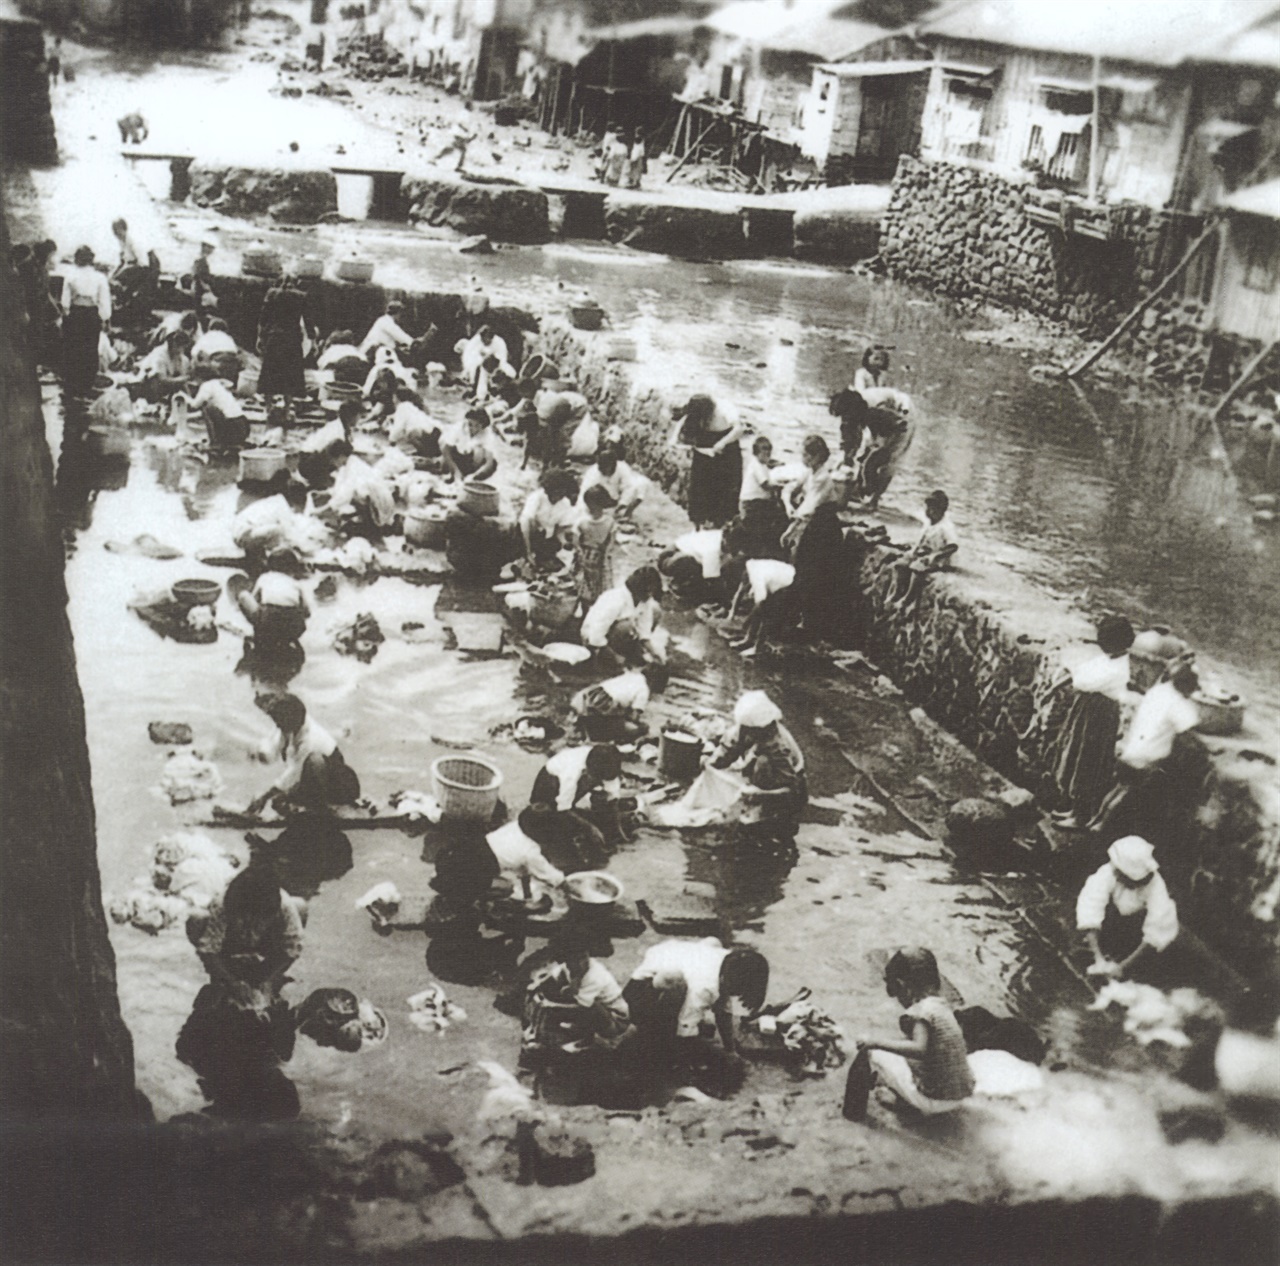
<point x="932" y="552"/>
<point x="593" y="545"/>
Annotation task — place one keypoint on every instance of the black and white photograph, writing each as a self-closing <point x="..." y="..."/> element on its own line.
<point x="640" y="631"/>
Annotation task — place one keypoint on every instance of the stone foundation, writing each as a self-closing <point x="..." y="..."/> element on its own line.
<point x="506" y="213"/>
<point x="686" y="232"/>
<point x="982" y="654"/>
<point x="289" y="197"/>
<point x="835" y="237"/>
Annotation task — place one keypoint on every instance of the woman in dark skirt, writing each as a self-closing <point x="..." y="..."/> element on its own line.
<point x="280" y="331"/>
<point x="715" y="476"/>
<point x="1085" y="769"/>
<point x="821" y="590"/>
<point x="86" y="304"/>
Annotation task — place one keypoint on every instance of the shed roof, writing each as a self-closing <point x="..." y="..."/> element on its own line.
<point x="1153" y="32"/>
<point x="1263" y="199"/>
<point x="795" y="26"/>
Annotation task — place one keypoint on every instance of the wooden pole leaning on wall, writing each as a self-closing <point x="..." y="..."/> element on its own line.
<point x="1243" y="381"/>
<point x="1091" y="358"/>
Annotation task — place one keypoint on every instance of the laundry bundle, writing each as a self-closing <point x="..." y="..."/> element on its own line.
<point x="432" y="1012"/>
<point x="1151" y="1015"/>
<point x="188" y="776"/>
<point x="811" y="1035"/>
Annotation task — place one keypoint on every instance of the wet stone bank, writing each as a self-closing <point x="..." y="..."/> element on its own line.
<point x="982" y="651"/>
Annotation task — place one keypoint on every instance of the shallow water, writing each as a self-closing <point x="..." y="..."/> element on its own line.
<point x="1112" y="497"/>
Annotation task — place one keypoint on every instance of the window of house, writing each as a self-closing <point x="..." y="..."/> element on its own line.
<point x="1261" y="257"/>
<point x="968" y="117"/>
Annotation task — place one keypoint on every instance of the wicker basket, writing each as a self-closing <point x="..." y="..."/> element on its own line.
<point x="479" y="498"/>
<point x="466" y="787"/>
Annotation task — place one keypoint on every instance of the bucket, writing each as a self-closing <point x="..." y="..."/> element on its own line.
<point x="261" y="261"/>
<point x="260" y="465"/>
<point x="479" y="498"/>
<point x="425" y="528"/>
<point x="340" y="392"/>
<point x="586" y="316"/>
<point x="358" y="270"/>
<point x="553" y="606"/>
<point x="679" y="755"/>
<point x="195" y="593"/>
<point x="247" y="384"/>
<point x="466" y="787"/>
<point x="1220" y="713"/>
<point x="309" y="266"/>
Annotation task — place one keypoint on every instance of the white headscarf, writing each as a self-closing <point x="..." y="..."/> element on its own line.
<point x="755" y="710"/>
<point x="1133" y="857"/>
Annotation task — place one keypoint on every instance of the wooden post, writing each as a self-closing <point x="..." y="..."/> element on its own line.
<point x="1092" y="357"/>
<point x="1093" y="131"/>
<point x="1243" y="381"/>
<point x="693" y="149"/>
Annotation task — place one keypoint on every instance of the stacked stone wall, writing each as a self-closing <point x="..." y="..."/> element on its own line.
<point x="977" y="236"/>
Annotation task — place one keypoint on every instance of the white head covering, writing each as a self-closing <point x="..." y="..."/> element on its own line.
<point x="755" y="710"/>
<point x="1134" y="857"/>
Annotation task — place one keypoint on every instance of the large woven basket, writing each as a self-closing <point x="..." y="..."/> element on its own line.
<point x="466" y="787"/>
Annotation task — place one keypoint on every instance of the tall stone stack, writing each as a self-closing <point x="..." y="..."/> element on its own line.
<point x="26" y="119"/>
<point x="975" y="235"/>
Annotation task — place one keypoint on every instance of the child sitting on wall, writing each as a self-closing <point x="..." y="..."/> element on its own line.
<point x="934" y="551"/>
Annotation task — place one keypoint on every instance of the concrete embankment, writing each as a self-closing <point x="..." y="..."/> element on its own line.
<point x="982" y="652"/>
<point x="831" y="226"/>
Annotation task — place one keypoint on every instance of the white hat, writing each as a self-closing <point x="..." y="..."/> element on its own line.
<point x="755" y="710"/>
<point x="1133" y="857"/>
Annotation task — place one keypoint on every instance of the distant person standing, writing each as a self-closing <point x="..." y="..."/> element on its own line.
<point x="86" y="306"/>
<point x="637" y="159"/>
<point x="53" y="61"/>
<point x="280" y="334"/>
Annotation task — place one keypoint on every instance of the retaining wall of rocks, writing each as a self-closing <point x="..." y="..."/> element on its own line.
<point x="982" y="653"/>
<point x="974" y="235"/>
<point x="287" y="196"/>
<point x="506" y="213"/>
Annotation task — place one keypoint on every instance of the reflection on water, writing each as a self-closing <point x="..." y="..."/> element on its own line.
<point x="1112" y="496"/>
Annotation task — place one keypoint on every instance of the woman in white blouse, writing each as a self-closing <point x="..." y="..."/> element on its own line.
<point x="86" y="306"/>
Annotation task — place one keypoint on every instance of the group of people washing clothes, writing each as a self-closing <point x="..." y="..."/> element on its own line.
<point x="769" y="541"/>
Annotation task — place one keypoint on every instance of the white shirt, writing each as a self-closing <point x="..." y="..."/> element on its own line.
<point x="1102" y="889"/>
<point x="339" y="351"/>
<point x="863" y="380"/>
<point x="465" y="444"/>
<point x="84" y="286"/>
<point x="767" y="575"/>
<point x="408" y="422"/>
<point x="568" y="767"/>
<point x="610" y="607"/>
<point x="519" y="856"/>
<point x="758" y="481"/>
<point x="475" y="352"/>
<point x="1103" y="675"/>
<point x="698" y="964"/>
<point x="275" y="589"/>
<point x="214" y="343"/>
<point x="937" y="536"/>
<point x="818" y="487"/>
<point x="628" y="690"/>
<point x="598" y="985"/>
<point x="706" y="547"/>
<point x="216" y="392"/>
<point x="384" y="332"/>
<point x="161" y="363"/>
<point x="554" y="518"/>
<point x="312" y="740"/>
<point x="1163" y="713"/>
<point x="322" y="440"/>
<point x="625" y="486"/>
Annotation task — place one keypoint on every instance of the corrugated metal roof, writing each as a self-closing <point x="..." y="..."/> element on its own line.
<point x="1261" y="199"/>
<point x="1154" y="32"/>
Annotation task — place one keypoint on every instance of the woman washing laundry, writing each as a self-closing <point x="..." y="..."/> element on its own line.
<point x="548" y="517"/>
<point x="222" y="410"/>
<point x="343" y="360"/>
<point x="316" y="776"/>
<point x="275" y="606"/>
<point x="760" y="508"/>
<point x="619" y="703"/>
<point x="469" y="448"/>
<point x="626" y="487"/>
<point x="819" y="486"/>
<point x="888" y="430"/>
<point x="1126" y="912"/>
<point x="626" y="621"/>
<point x="772" y="763"/>
<point x="712" y="434"/>
<point x="591" y="773"/>
<point x="386" y="331"/>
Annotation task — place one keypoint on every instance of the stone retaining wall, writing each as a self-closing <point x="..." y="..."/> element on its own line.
<point x="287" y="196"/>
<point x="975" y="235"/>
<point x="506" y="213"/>
<point x="982" y="653"/>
